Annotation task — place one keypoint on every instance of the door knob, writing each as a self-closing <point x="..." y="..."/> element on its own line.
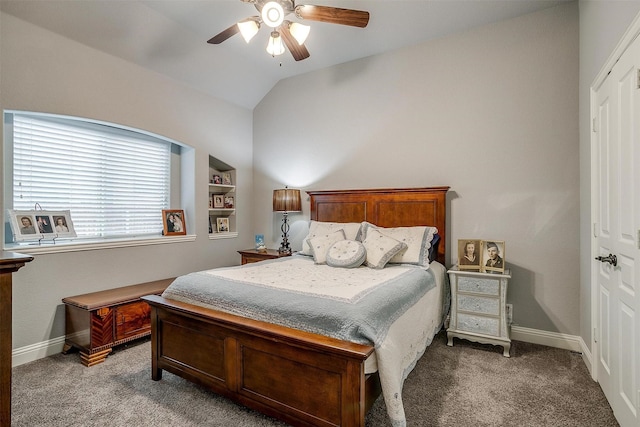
<point x="611" y="259"/>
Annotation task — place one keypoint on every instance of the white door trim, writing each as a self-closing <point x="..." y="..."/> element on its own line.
<point x="630" y="35"/>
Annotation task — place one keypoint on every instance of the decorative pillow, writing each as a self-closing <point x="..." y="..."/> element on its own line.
<point x="346" y="254"/>
<point x="319" y="246"/>
<point x="317" y="229"/>
<point x="433" y="249"/>
<point x="380" y="248"/>
<point x="418" y="240"/>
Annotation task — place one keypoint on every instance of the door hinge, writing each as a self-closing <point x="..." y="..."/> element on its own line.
<point x="638" y="75"/>
<point x="593" y="125"/>
<point x="638" y="239"/>
<point x="595" y="230"/>
<point x="595" y="335"/>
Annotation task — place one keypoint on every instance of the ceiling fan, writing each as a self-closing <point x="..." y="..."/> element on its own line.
<point x="294" y="34"/>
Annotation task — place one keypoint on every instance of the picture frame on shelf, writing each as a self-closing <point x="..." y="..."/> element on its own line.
<point x="469" y="254"/>
<point x="173" y="222"/>
<point x="229" y="202"/>
<point x="222" y="225"/>
<point x="216" y="179"/>
<point x="226" y="178"/>
<point x="493" y="256"/>
<point x="210" y="226"/>
<point x="218" y="201"/>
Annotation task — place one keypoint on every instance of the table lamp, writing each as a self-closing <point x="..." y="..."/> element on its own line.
<point x="286" y="200"/>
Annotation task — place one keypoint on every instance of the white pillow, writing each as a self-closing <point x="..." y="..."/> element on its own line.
<point x="346" y="254"/>
<point x="418" y="240"/>
<point x="317" y="228"/>
<point x="319" y="246"/>
<point x="380" y="248"/>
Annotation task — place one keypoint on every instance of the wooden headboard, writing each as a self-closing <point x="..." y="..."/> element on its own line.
<point x="393" y="207"/>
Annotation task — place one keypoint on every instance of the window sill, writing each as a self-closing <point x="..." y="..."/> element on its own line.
<point x="61" y="246"/>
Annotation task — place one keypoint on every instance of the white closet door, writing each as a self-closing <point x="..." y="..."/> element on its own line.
<point x="618" y="235"/>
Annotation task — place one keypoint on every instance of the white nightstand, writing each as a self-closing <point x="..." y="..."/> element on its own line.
<point x="479" y="308"/>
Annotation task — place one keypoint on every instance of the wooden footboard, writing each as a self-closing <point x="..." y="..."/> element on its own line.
<point x="301" y="378"/>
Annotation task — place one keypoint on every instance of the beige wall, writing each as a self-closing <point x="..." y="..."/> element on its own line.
<point x="492" y="113"/>
<point x="43" y="72"/>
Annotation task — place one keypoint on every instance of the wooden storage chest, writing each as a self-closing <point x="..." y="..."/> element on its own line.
<point x="98" y="321"/>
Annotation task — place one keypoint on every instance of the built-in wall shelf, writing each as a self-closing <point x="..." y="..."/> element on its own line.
<point x="222" y="200"/>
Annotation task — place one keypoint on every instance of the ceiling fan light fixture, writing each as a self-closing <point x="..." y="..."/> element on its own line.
<point x="248" y="29"/>
<point x="272" y="14"/>
<point x="299" y="32"/>
<point x="275" y="46"/>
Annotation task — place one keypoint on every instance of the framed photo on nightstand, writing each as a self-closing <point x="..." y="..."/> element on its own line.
<point x="493" y="257"/>
<point x="469" y="255"/>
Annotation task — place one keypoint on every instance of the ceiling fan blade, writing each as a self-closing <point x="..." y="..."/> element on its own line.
<point x="298" y="51"/>
<point x="333" y="15"/>
<point x="222" y="36"/>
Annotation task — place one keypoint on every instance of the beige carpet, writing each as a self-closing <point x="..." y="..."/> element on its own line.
<point x="465" y="385"/>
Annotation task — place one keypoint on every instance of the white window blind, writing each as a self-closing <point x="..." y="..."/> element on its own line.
<point x="114" y="181"/>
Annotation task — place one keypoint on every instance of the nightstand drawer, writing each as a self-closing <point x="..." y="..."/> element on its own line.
<point x="477" y="304"/>
<point x="479" y="285"/>
<point x="478" y="324"/>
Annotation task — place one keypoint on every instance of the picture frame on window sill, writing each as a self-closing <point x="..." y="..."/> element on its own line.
<point x="173" y="222"/>
<point x="222" y="225"/>
<point x="40" y="224"/>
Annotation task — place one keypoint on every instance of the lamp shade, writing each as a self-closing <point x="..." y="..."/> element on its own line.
<point x="275" y="46"/>
<point x="286" y="200"/>
<point x="299" y="32"/>
<point x="248" y="29"/>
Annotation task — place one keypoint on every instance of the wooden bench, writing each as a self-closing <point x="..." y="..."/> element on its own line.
<point x="98" y="321"/>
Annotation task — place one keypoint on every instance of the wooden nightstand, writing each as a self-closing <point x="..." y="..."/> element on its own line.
<point x="479" y="308"/>
<point x="254" y="255"/>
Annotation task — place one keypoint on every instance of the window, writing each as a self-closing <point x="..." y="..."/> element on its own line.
<point x="115" y="181"/>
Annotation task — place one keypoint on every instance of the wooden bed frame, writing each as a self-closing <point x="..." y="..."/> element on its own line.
<point x="301" y="378"/>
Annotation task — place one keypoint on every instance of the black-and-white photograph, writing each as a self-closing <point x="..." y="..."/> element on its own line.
<point x="469" y="256"/>
<point x="493" y="256"/>
<point x="40" y="224"/>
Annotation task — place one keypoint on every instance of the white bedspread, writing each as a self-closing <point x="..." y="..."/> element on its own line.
<point x="367" y="310"/>
<point x="405" y="343"/>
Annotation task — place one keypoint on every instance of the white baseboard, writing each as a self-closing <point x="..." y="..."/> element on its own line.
<point x="32" y="352"/>
<point x="551" y="339"/>
<point x="554" y="339"/>
<point x="575" y="343"/>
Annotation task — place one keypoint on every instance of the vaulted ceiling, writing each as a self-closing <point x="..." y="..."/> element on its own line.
<point x="170" y="36"/>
